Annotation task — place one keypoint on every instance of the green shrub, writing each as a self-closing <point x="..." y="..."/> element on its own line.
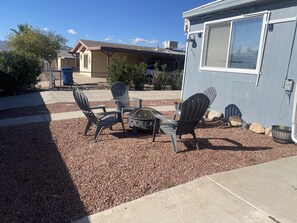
<point x="138" y="78"/>
<point x="118" y="70"/>
<point x="18" y="73"/>
<point x="176" y="79"/>
<point x="161" y="77"/>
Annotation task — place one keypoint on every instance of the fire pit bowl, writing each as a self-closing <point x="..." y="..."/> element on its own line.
<point x="281" y="134"/>
<point x="142" y="118"/>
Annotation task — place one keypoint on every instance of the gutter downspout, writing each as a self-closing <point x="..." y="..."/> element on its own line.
<point x="294" y="115"/>
<point x="294" y="119"/>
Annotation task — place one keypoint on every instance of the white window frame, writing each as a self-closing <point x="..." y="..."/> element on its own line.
<point x="265" y="15"/>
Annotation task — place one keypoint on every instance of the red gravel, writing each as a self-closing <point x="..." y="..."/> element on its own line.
<point x="50" y="172"/>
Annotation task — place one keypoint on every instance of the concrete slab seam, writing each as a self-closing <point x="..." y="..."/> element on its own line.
<point x="248" y="203"/>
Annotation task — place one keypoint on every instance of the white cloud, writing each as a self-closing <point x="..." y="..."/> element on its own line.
<point x="87" y="36"/>
<point x="45" y="29"/>
<point x="72" y="31"/>
<point x="109" y="38"/>
<point x="140" y="40"/>
<point x="120" y="40"/>
<point x="152" y="41"/>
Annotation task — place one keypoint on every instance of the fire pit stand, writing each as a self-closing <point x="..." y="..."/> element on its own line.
<point x="142" y="118"/>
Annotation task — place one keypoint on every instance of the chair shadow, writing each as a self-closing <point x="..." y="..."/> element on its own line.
<point x="231" y="110"/>
<point x="206" y="144"/>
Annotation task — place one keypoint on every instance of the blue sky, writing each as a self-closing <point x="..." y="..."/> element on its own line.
<point x="137" y="22"/>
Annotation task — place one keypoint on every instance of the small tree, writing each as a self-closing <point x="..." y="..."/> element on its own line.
<point x="119" y="70"/>
<point x="35" y="43"/>
<point x="138" y="78"/>
<point x="18" y="73"/>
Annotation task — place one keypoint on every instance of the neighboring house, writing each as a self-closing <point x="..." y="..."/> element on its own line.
<point x="247" y="50"/>
<point x="95" y="57"/>
<point x="65" y="59"/>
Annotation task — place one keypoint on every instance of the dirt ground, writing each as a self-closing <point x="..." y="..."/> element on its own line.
<point x="51" y="172"/>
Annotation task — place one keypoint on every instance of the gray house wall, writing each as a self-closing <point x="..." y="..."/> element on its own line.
<point x="266" y="103"/>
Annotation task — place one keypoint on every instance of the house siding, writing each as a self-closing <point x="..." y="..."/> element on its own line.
<point x="266" y="103"/>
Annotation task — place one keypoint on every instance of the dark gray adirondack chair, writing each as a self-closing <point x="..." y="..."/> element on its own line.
<point x="108" y="119"/>
<point x="191" y="113"/>
<point x="120" y="94"/>
<point x="210" y="92"/>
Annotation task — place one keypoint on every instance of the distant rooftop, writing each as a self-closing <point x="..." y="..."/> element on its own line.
<point x="92" y="45"/>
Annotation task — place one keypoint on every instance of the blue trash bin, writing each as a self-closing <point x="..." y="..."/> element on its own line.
<point x="67" y="75"/>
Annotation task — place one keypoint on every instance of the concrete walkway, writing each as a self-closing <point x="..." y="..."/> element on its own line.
<point x="261" y="193"/>
<point x="51" y="97"/>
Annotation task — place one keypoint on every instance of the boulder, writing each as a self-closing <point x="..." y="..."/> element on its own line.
<point x="268" y="131"/>
<point x="235" y="121"/>
<point x="257" y="128"/>
<point x="214" y="115"/>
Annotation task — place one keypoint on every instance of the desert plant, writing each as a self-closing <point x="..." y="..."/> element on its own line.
<point x="118" y="70"/>
<point x="176" y="79"/>
<point x="138" y="78"/>
<point x="18" y="73"/>
<point x="161" y="77"/>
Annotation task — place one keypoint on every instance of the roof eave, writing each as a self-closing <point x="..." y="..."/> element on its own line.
<point x="217" y="6"/>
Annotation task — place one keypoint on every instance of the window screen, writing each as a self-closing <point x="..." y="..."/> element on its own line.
<point x="217" y="45"/>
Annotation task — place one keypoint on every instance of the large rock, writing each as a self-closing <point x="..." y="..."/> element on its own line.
<point x="268" y="131"/>
<point x="214" y="115"/>
<point x="235" y="121"/>
<point x="257" y="128"/>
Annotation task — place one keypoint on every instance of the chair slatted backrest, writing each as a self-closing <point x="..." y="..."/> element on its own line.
<point x="83" y="103"/>
<point x="120" y="92"/>
<point x="211" y="93"/>
<point x="192" y="111"/>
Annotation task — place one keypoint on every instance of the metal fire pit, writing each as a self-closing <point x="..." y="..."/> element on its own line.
<point x="142" y="118"/>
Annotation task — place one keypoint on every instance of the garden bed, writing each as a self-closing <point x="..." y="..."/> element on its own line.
<point x="50" y="172"/>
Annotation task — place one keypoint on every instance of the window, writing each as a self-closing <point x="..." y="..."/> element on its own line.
<point x="233" y="44"/>
<point x="86" y="61"/>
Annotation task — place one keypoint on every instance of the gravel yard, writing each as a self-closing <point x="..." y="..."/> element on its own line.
<point x="50" y="172"/>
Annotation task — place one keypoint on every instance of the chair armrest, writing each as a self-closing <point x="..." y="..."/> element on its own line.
<point x="139" y="101"/>
<point x="116" y="112"/>
<point x="103" y="107"/>
<point x="164" y="119"/>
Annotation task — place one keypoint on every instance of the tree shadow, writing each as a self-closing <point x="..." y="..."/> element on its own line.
<point x="35" y="183"/>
